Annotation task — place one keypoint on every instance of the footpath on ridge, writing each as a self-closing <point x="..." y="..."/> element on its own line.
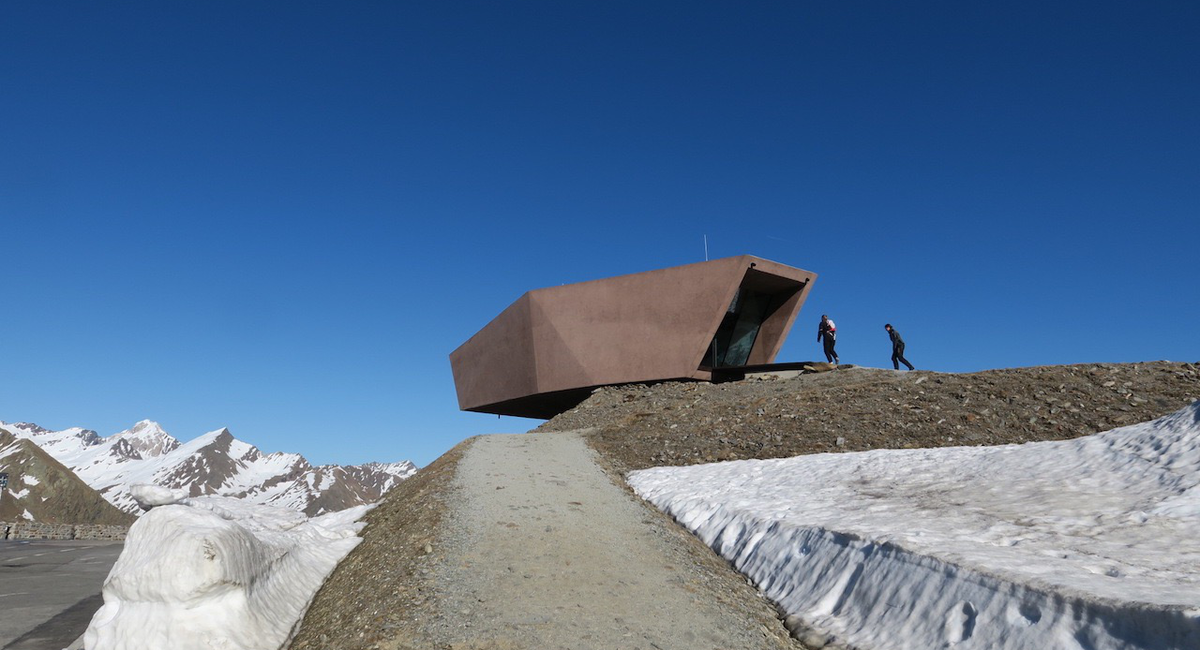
<point x="538" y="548"/>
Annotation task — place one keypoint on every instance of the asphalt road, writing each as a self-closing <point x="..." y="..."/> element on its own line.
<point x="49" y="590"/>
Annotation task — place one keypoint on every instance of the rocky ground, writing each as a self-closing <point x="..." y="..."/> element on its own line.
<point x="383" y="593"/>
<point x="855" y="409"/>
<point x="386" y="595"/>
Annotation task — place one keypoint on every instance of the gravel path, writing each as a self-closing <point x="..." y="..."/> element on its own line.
<point x="544" y="551"/>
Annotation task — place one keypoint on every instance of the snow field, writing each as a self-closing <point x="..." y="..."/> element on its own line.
<point x="1083" y="544"/>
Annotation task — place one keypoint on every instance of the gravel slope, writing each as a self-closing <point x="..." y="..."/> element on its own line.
<point x="855" y="409"/>
<point x="381" y="594"/>
<point x="410" y="584"/>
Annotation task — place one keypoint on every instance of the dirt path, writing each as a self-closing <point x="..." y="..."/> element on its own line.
<point x="544" y="551"/>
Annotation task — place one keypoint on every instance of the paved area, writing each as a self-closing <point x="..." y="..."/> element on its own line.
<point x="49" y="590"/>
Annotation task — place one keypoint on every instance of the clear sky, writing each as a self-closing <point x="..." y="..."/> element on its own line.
<point x="281" y="217"/>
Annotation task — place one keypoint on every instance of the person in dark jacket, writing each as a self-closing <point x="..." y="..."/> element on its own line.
<point x="897" y="348"/>
<point x="827" y="332"/>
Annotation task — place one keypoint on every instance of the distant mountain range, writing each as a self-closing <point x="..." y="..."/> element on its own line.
<point x="214" y="463"/>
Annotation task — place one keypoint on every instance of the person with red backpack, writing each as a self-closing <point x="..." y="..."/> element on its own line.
<point x="827" y="332"/>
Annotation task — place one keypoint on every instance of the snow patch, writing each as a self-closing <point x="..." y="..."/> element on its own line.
<point x="148" y="495"/>
<point x="1087" y="543"/>
<point x="216" y="572"/>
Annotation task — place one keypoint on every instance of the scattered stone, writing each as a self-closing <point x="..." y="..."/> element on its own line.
<point x="859" y="408"/>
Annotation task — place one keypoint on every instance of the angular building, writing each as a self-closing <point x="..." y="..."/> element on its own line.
<point x="547" y="351"/>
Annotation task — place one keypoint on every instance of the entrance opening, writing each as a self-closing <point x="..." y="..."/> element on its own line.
<point x="758" y="298"/>
<point x="735" y="336"/>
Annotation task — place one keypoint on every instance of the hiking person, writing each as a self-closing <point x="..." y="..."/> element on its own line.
<point x="827" y="332"/>
<point x="897" y="348"/>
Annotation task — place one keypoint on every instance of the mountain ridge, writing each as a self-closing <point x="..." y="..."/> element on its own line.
<point x="215" y="462"/>
<point x="42" y="489"/>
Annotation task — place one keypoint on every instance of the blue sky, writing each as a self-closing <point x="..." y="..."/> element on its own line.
<point x="282" y="217"/>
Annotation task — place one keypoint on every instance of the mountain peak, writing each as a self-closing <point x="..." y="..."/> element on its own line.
<point x="28" y="427"/>
<point x="220" y="436"/>
<point x="148" y="438"/>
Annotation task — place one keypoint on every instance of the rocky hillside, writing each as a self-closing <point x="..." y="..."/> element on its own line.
<point x="854" y="409"/>
<point x="381" y="593"/>
<point x="42" y="489"/>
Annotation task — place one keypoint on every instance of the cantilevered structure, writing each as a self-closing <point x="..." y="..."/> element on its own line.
<point x="547" y="351"/>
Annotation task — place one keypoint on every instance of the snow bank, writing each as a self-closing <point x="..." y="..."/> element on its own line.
<point x="1091" y="543"/>
<point x="215" y="572"/>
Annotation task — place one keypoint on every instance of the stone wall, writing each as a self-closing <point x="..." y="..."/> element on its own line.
<point x="35" y="530"/>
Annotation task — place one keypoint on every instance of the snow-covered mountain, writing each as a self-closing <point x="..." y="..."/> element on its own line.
<point x="41" y="489"/>
<point x="214" y="463"/>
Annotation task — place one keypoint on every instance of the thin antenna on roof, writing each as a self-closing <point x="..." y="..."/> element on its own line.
<point x="706" y="248"/>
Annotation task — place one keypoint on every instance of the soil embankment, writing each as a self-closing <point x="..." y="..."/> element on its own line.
<point x="856" y="409"/>
<point x="433" y="570"/>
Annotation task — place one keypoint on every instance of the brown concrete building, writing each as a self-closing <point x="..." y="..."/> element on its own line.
<point x="547" y="351"/>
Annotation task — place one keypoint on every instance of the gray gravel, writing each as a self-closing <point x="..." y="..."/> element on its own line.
<point x="856" y="409"/>
<point x="544" y="551"/>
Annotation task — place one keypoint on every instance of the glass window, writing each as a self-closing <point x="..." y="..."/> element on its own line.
<point x="734" y="340"/>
